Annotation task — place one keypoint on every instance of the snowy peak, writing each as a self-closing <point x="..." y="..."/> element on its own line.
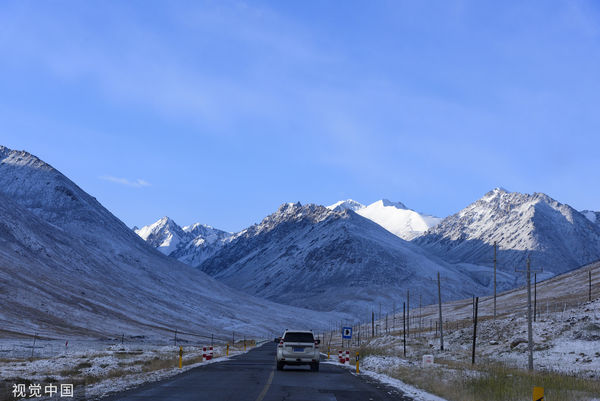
<point x="348" y="204"/>
<point x="395" y="217"/>
<point x="164" y="235"/>
<point x="191" y="244"/>
<point x="398" y="219"/>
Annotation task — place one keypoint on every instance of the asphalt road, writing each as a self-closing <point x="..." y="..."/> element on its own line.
<point x="253" y="377"/>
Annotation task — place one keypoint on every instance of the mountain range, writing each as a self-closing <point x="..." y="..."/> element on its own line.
<point x="310" y="249"/>
<point x="324" y="259"/>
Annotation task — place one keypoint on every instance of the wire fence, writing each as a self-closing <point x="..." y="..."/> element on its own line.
<point x="550" y="298"/>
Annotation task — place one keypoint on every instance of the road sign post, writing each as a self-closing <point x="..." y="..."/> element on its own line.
<point x="347" y="333"/>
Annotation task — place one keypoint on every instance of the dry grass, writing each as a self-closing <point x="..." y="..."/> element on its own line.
<point x="489" y="381"/>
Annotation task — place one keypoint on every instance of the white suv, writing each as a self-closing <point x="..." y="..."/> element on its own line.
<point x="298" y="347"/>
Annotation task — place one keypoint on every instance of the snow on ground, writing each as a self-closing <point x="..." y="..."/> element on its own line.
<point x="566" y="341"/>
<point x="104" y="368"/>
<point x="372" y="366"/>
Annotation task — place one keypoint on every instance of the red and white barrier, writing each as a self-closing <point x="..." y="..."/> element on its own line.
<point x="210" y="355"/>
<point x="347" y="357"/>
<point x="340" y="356"/>
<point x="204" y="354"/>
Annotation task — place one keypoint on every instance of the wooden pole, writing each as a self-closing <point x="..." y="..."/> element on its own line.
<point x="494" y="280"/>
<point x="440" y="313"/>
<point x="475" y="307"/>
<point x="404" y="325"/>
<point x="372" y="324"/>
<point x="529" y="324"/>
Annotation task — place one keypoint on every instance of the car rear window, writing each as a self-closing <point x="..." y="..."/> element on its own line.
<point x="292" y="337"/>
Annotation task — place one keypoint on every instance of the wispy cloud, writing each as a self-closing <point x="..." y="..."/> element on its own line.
<point x="137" y="183"/>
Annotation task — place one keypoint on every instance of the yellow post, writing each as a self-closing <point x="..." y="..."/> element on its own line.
<point x="357" y="359"/>
<point x="328" y="353"/>
<point x="244" y="344"/>
<point x="538" y="394"/>
<point x="180" y="356"/>
<point x="227" y="349"/>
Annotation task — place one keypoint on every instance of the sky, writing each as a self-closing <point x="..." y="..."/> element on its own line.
<point x="218" y="112"/>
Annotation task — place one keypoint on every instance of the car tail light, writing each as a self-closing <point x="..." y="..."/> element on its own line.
<point x="281" y="344"/>
<point x="316" y="344"/>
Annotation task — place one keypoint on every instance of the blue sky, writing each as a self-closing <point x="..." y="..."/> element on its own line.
<point x="217" y="112"/>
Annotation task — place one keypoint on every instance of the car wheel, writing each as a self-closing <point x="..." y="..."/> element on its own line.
<point x="279" y="365"/>
<point x="314" y="366"/>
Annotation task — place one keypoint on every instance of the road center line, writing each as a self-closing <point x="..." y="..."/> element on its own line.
<point x="266" y="388"/>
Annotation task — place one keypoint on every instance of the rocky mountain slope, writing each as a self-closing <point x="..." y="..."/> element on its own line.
<point x="556" y="236"/>
<point x="67" y="265"/>
<point x="334" y="260"/>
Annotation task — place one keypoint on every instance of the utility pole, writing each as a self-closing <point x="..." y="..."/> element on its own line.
<point x="404" y="324"/>
<point x="529" y="317"/>
<point x="494" y="280"/>
<point x="408" y="312"/>
<point x="475" y="307"/>
<point x="372" y="324"/>
<point x="394" y="317"/>
<point x="440" y="310"/>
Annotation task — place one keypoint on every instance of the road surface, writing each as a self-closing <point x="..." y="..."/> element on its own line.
<point x="253" y="377"/>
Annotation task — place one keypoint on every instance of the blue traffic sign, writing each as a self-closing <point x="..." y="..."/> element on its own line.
<point x="347" y="332"/>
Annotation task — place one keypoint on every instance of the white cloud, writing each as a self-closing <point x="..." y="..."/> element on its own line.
<point x="137" y="183"/>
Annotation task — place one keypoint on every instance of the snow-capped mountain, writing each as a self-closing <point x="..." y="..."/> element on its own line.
<point x="398" y="219"/>
<point x="191" y="244"/>
<point x="393" y="216"/>
<point x="557" y="237"/>
<point x="68" y="266"/>
<point x="164" y="235"/>
<point x="334" y="260"/>
<point x="592" y="216"/>
<point x="205" y="242"/>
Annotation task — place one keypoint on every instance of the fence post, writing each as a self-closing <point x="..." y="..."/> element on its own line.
<point x="474" y="328"/>
<point x="440" y="313"/>
<point x="404" y="326"/>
